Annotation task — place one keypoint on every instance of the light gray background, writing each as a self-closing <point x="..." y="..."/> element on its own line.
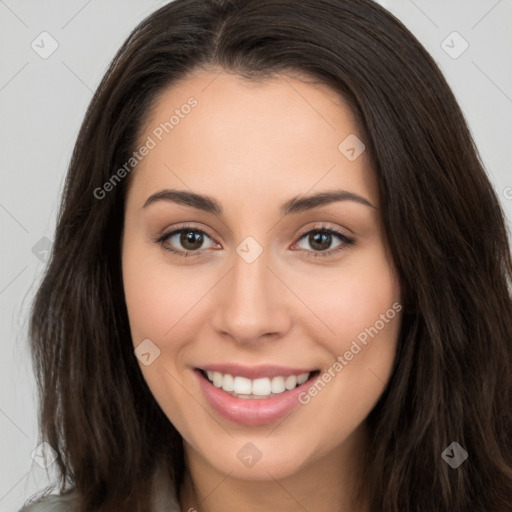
<point x="42" y="103"/>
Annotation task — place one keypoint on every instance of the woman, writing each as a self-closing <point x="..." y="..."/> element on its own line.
<point x="280" y="277"/>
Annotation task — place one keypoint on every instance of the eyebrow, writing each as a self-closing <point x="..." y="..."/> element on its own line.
<point x="295" y="205"/>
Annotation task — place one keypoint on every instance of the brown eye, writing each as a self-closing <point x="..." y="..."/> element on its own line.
<point x="185" y="241"/>
<point x="191" y="240"/>
<point x="320" y="241"/>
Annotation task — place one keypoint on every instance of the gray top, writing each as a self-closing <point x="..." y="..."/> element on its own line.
<point x="165" y="501"/>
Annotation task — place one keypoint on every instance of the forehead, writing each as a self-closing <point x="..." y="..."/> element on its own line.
<point x="217" y="130"/>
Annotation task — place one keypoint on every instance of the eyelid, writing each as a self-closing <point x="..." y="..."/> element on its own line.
<point x="320" y="226"/>
<point x="346" y="240"/>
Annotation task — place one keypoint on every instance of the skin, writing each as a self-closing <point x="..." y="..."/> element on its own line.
<point x="253" y="146"/>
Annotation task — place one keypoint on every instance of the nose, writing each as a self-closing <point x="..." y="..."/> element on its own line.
<point x="250" y="304"/>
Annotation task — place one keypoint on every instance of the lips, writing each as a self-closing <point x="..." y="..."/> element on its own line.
<point x="253" y="409"/>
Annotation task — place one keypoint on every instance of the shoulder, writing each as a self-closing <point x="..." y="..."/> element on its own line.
<point x="52" y="503"/>
<point x="165" y="500"/>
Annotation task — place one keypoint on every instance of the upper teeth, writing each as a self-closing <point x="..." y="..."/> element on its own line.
<point x="259" y="387"/>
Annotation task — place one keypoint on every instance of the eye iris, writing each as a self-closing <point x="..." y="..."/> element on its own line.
<point x="317" y="238"/>
<point x="193" y="238"/>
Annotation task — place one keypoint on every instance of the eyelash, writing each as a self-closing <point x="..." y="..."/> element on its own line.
<point x="346" y="241"/>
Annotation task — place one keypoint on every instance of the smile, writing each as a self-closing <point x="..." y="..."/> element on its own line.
<point x="271" y="394"/>
<point x="242" y="387"/>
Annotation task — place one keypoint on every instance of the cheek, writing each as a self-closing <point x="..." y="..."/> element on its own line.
<point x="362" y="307"/>
<point x="366" y="304"/>
<point x="157" y="298"/>
<point x="157" y="302"/>
<point x="354" y="297"/>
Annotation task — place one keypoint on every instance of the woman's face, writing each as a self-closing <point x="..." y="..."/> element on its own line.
<point x="254" y="295"/>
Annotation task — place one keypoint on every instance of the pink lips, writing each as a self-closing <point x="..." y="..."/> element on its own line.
<point x="251" y="412"/>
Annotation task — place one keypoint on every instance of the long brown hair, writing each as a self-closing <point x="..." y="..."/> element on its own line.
<point x="452" y="376"/>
